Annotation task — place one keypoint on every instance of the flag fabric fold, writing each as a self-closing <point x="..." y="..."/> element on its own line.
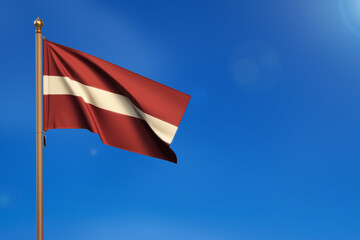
<point x="127" y="110"/>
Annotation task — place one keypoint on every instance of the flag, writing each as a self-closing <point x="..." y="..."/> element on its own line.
<point x="127" y="110"/>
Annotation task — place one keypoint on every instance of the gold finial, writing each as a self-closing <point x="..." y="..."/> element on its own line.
<point x="38" y="24"/>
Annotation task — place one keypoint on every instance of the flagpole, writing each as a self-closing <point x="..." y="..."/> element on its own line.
<point x="39" y="131"/>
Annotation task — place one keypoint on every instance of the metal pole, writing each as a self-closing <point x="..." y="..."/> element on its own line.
<point x="39" y="131"/>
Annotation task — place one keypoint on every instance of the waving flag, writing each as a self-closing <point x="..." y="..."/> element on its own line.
<point x="127" y="110"/>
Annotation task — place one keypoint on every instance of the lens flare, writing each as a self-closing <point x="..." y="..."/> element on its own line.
<point x="350" y="13"/>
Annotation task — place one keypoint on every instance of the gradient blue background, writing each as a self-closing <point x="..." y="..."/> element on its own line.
<point x="268" y="147"/>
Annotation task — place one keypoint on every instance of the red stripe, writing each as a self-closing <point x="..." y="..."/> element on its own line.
<point x="151" y="97"/>
<point x="132" y="134"/>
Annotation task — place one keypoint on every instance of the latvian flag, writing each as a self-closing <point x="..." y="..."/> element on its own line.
<point x="127" y="110"/>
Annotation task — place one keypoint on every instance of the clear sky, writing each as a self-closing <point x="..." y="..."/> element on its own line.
<point x="268" y="148"/>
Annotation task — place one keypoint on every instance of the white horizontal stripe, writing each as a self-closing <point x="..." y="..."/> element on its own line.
<point x="56" y="85"/>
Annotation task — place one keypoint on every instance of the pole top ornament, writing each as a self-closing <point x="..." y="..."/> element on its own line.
<point x="38" y="25"/>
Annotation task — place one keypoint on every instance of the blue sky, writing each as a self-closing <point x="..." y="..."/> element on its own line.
<point x="268" y="147"/>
